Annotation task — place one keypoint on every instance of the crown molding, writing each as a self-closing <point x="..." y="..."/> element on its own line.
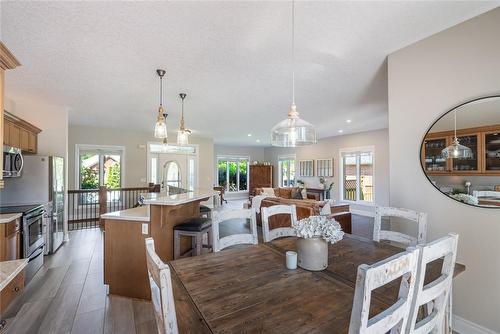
<point x="7" y="59"/>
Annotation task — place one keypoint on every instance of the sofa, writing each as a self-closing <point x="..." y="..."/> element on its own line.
<point x="305" y="208"/>
<point x="288" y="193"/>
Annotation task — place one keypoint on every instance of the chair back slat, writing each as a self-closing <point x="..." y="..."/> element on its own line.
<point x="279" y="232"/>
<point x="162" y="296"/>
<point x="235" y="239"/>
<point x="434" y="295"/>
<point x="395" y="318"/>
<point x="418" y="217"/>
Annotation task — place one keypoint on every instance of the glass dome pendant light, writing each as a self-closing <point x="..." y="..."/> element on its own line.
<point x="160" y="125"/>
<point x="293" y="131"/>
<point x="455" y="150"/>
<point x="183" y="134"/>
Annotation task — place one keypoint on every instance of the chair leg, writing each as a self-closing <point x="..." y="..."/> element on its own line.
<point x="199" y="243"/>
<point x="177" y="245"/>
<point x="210" y="238"/>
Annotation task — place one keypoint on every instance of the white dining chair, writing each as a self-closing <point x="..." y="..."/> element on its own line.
<point x="407" y="240"/>
<point x="234" y="239"/>
<point x="486" y="193"/>
<point x="395" y="318"/>
<point x="162" y="296"/>
<point x="435" y="296"/>
<point x="278" y="232"/>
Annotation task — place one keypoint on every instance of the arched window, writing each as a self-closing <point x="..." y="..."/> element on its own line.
<point x="172" y="174"/>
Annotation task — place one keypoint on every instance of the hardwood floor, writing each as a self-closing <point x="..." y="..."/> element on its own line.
<point x="67" y="295"/>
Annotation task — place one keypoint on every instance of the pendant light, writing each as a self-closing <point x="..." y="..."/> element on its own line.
<point x="455" y="150"/>
<point x="293" y="131"/>
<point x="161" y="126"/>
<point x="183" y="134"/>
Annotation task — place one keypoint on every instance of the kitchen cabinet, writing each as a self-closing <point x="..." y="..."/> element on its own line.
<point x="483" y="141"/>
<point x="10" y="240"/>
<point x="7" y="62"/>
<point x="21" y="134"/>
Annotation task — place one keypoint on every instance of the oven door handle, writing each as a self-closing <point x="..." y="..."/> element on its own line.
<point x="36" y="253"/>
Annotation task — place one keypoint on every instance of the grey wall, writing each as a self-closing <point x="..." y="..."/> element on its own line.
<point x="329" y="148"/>
<point x="135" y="155"/>
<point x="255" y="153"/>
<point x="425" y="80"/>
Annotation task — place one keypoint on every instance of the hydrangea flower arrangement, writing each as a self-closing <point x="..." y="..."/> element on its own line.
<point x="319" y="226"/>
<point x="469" y="199"/>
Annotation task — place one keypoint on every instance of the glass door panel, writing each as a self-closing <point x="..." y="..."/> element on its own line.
<point x="233" y="176"/>
<point x="492" y="152"/>
<point x="434" y="160"/>
<point x="350" y="177"/>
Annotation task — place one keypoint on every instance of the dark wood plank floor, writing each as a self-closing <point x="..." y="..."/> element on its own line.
<point x="67" y="295"/>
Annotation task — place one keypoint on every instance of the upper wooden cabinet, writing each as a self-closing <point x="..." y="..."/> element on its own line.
<point x="19" y="133"/>
<point x="483" y="141"/>
<point x="7" y="62"/>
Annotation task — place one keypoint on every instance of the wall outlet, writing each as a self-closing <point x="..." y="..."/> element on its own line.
<point x="145" y="229"/>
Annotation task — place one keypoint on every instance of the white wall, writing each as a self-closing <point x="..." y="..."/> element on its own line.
<point x="425" y="80"/>
<point x="254" y="153"/>
<point x="329" y="148"/>
<point x="135" y="155"/>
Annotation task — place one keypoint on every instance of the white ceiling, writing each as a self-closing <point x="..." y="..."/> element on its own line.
<point x="475" y="114"/>
<point x="231" y="58"/>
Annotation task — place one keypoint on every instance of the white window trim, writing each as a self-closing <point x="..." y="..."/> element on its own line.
<point x="233" y="157"/>
<point x="149" y="155"/>
<point x="286" y="157"/>
<point x="341" y="174"/>
<point x="85" y="147"/>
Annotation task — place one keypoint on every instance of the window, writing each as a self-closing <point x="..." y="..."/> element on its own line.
<point x="173" y="174"/>
<point x="357" y="175"/>
<point x="232" y="173"/>
<point x="99" y="166"/>
<point x="287" y="171"/>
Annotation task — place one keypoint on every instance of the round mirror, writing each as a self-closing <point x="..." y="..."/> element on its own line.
<point x="460" y="153"/>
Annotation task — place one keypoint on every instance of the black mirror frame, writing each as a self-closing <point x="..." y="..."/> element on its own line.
<point x="422" y="143"/>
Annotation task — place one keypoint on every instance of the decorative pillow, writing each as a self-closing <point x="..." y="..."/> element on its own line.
<point x="268" y="192"/>
<point x="296" y="194"/>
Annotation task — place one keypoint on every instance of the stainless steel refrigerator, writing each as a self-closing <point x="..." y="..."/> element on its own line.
<point x="42" y="182"/>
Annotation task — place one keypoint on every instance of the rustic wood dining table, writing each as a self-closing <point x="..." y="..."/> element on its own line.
<point x="249" y="289"/>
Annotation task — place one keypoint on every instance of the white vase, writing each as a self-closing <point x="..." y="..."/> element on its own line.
<point x="312" y="253"/>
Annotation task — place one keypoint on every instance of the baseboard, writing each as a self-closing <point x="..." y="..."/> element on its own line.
<point x="464" y="326"/>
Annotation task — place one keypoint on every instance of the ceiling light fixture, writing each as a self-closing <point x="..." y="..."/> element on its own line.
<point x="293" y="131"/>
<point x="340" y="131"/>
<point x="249" y="135"/>
<point x="348" y="121"/>
<point x="183" y="134"/>
<point x="455" y="150"/>
<point x="161" y="126"/>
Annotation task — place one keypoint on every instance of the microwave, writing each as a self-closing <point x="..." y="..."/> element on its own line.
<point x="12" y="161"/>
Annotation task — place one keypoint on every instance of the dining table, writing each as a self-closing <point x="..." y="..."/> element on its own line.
<point x="248" y="289"/>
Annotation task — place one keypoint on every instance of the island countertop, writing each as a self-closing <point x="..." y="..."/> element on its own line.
<point x="166" y="198"/>
<point x="140" y="213"/>
<point x="9" y="270"/>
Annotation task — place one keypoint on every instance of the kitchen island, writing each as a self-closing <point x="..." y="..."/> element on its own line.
<point x="125" y="268"/>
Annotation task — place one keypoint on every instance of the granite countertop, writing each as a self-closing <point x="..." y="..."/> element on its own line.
<point x="165" y="198"/>
<point x="8" y="217"/>
<point x="140" y="213"/>
<point x="9" y="270"/>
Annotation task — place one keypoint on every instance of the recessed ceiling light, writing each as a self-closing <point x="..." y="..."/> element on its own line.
<point x="340" y="131"/>
<point x="249" y="135"/>
<point x="258" y="140"/>
<point x="348" y="121"/>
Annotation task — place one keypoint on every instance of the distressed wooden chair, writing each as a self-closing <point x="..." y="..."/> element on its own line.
<point x="395" y="318"/>
<point x="235" y="239"/>
<point x="162" y="296"/>
<point x="407" y="240"/>
<point x="434" y="296"/>
<point x="195" y="228"/>
<point x="278" y="232"/>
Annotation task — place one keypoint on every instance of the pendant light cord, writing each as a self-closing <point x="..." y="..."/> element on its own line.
<point x="293" y="52"/>
<point x="161" y="91"/>
<point x="455" y="124"/>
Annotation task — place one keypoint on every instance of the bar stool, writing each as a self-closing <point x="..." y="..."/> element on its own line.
<point x="205" y="211"/>
<point x="195" y="228"/>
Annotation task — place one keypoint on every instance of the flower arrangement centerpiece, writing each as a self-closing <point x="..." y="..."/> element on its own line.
<point x="314" y="234"/>
<point x="464" y="198"/>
